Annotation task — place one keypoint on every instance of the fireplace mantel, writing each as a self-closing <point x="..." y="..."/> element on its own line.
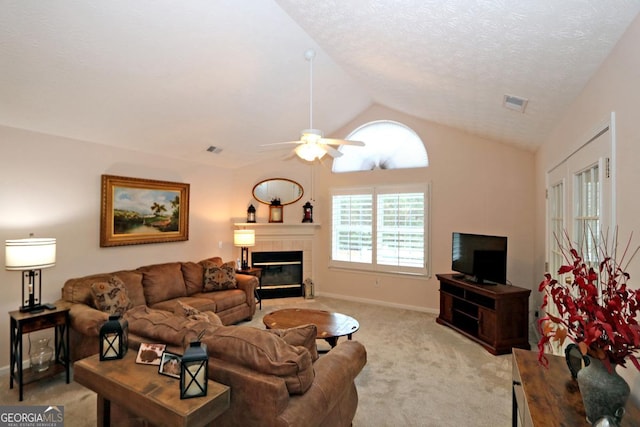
<point x="280" y="228"/>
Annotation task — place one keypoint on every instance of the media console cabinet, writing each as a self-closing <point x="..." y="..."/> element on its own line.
<point x="495" y="316"/>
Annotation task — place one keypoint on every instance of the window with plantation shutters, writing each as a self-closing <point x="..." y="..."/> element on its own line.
<point x="381" y="228"/>
<point x="352" y="228"/>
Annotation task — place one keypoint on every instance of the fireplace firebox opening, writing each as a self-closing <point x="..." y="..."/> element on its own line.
<point x="281" y="273"/>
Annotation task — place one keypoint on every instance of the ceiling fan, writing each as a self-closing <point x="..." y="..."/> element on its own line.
<point x="312" y="145"/>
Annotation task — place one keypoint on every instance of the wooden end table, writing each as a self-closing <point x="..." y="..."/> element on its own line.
<point x="23" y="323"/>
<point x="141" y="390"/>
<point x="257" y="272"/>
<point x="550" y="397"/>
<point x="331" y="326"/>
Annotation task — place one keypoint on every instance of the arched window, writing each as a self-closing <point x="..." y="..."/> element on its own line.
<point x="388" y="145"/>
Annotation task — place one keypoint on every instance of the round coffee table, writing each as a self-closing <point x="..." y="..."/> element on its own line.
<point x="331" y="326"/>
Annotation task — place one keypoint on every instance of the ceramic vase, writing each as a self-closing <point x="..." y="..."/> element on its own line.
<point x="40" y="355"/>
<point x="603" y="393"/>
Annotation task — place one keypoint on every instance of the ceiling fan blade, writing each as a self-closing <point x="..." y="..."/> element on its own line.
<point x="289" y="155"/>
<point x="332" y="151"/>
<point x="332" y="141"/>
<point x="281" y="143"/>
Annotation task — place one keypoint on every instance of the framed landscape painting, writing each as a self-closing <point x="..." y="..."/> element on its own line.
<point x="136" y="211"/>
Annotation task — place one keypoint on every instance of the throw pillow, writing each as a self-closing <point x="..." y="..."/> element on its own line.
<point x="111" y="296"/>
<point x="194" y="314"/>
<point x="217" y="278"/>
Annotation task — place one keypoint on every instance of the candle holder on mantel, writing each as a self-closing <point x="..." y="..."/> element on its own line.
<point x="251" y="214"/>
<point x="275" y="211"/>
<point x="307" y="212"/>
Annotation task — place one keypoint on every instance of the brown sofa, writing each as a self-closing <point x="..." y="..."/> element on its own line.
<point x="275" y="376"/>
<point x="158" y="286"/>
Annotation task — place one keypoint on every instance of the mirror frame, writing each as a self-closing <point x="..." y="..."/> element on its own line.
<point x="282" y="200"/>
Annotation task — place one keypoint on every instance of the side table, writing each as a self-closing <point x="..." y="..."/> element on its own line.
<point x="257" y="272"/>
<point x="550" y="397"/>
<point x="23" y="323"/>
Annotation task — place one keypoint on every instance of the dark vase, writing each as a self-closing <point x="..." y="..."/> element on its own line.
<point x="604" y="393"/>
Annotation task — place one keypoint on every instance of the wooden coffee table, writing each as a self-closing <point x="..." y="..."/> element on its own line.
<point x="141" y="390"/>
<point x="331" y="326"/>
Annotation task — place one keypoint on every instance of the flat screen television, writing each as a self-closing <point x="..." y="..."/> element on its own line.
<point x="481" y="259"/>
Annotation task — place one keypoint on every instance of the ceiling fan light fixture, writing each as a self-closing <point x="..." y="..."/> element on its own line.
<point x="311" y="136"/>
<point x="310" y="152"/>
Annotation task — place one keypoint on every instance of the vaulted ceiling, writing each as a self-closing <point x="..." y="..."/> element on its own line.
<point x="177" y="77"/>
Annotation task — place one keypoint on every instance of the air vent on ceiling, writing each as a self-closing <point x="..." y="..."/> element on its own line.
<point x="515" y="103"/>
<point x="213" y="149"/>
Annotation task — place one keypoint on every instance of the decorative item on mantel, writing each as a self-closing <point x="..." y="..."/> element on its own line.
<point x="275" y="211"/>
<point x="307" y="211"/>
<point x="597" y="311"/>
<point x="251" y="214"/>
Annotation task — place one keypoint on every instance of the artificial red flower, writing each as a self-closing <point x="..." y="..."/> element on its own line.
<point x="596" y="310"/>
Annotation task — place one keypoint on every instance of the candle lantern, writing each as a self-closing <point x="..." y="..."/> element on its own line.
<point x="275" y="211"/>
<point x="193" y="371"/>
<point x="307" y="210"/>
<point x="251" y="214"/>
<point x="114" y="338"/>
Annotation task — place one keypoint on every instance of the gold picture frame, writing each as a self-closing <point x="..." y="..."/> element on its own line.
<point x="136" y="211"/>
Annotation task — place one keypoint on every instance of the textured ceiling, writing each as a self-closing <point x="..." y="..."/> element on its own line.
<point x="176" y="77"/>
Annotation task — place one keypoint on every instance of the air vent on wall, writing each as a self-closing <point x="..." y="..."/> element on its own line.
<point x="515" y="103"/>
<point x="213" y="149"/>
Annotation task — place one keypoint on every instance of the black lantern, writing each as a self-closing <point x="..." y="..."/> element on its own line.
<point x="114" y="339"/>
<point x="251" y="214"/>
<point x="193" y="371"/>
<point x="307" y="210"/>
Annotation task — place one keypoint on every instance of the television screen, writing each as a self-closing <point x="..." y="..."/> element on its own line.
<point x="482" y="259"/>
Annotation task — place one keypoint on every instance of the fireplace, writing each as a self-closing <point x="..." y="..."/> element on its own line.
<point x="281" y="273"/>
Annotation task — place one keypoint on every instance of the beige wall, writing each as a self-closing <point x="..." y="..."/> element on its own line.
<point x="50" y="186"/>
<point x="614" y="88"/>
<point x="478" y="186"/>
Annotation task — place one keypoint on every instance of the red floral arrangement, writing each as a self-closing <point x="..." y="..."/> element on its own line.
<point x="597" y="310"/>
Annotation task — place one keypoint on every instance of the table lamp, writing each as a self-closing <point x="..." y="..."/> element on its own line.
<point x="243" y="239"/>
<point x="30" y="256"/>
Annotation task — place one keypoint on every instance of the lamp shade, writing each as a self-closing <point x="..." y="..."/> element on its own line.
<point x="30" y="254"/>
<point x="244" y="238"/>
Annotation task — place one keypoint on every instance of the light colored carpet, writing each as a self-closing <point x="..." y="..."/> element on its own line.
<point x="418" y="373"/>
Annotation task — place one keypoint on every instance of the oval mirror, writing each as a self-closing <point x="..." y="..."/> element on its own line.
<point x="286" y="190"/>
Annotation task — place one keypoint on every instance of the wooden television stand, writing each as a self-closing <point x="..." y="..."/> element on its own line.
<point x="495" y="316"/>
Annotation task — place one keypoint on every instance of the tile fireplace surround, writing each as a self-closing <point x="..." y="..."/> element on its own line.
<point x="275" y="237"/>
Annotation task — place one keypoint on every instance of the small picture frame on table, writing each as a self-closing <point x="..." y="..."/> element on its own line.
<point x="170" y="364"/>
<point x="150" y="354"/>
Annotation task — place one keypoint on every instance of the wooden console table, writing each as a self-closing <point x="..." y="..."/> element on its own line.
<point x="495" y="316"/>
<point x="141" y="390"/>
<point x="550" y="397"/>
